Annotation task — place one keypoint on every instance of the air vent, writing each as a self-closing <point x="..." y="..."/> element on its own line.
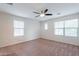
<point x="58" y="13"/>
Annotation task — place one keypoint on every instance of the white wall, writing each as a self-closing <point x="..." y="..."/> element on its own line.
<point x="6" y="29"/>
<point x="33" y="30"/>
<point x="49" y="34"/>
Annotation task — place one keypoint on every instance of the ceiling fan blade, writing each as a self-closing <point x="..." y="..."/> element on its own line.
<point x="45" y="10"/>
<point x="36" y="12"/>
<point x="37" y="16"/>
<point x="48" y="14"/>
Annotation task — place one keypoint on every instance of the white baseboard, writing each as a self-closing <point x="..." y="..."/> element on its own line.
<point x="14" y="43"/>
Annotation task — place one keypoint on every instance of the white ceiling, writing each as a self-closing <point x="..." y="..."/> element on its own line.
<point x="27" y="9"/>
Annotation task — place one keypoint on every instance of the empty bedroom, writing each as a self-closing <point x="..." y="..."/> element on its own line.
<point x="39" y="29"/>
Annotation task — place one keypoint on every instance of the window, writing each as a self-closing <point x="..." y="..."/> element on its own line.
<point x="18" y="28"/>
<point x="59" y="28"/>
<point x="71" y="27"/>
<point x="66" y="28"/>
<point x="46" y="26"/>
<point x="71" y="32"/>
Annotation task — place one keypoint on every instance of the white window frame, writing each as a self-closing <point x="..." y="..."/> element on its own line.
<point x="46" y="26"/>
<point x="56" y="28"/>
<point x="20" y="29"/>
<point x="64" y="28"/>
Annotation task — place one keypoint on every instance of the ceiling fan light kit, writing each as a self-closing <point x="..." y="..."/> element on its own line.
<point x="42" y="15"/>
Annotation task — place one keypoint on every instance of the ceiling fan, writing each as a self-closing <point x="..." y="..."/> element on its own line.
<point x="42" y="13"/>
